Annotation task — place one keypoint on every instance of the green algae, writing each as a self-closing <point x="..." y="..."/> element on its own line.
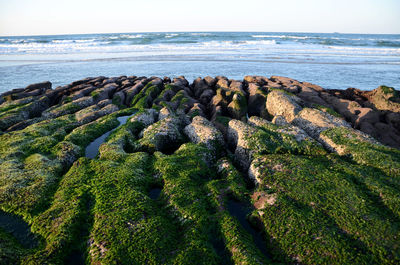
<point x="184" y="185"/>
<point x="125" y="214"/>
<point x="267" y="140"/>
<point x="365" y="152"/>
<point x="327" y="110"/>
<point x="328" y="209"/>
<point x="389" y="90"/>
<point x="9" y="107"/>
<point x="62" y="223"/>
<point x="323" y="215"/>
<point x="146" y="96"/>
<point x="238" y="242"/>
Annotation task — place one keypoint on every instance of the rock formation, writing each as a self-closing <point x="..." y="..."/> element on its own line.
<point x="317" y="170"/>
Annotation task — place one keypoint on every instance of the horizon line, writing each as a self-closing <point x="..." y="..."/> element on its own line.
<point x="196" y="31"/>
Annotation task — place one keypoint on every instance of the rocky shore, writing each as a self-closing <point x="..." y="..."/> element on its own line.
<point x="316" y="172"/>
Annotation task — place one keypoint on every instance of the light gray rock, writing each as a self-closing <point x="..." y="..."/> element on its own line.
<point x="164" y="135"/>
<point x="256" y="170"/>
<point x="238" y="135"/>
<point x="279" y="120"/>
<point x="314" y="121"/>
<point x="281" y="103"/>
<point x="202" y="131"/>
<point x="147" y="117"/>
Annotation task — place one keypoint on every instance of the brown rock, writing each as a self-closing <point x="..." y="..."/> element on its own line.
<point x="210" y="81"/>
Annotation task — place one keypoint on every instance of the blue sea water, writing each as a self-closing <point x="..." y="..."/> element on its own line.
<point x="335" y="61"/>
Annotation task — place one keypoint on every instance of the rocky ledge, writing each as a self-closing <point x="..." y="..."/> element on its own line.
<point x="259" y="171"/>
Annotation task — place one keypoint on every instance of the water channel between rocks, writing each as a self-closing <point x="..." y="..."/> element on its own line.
<point x="240" y="211"/>
<point x="92" y="149"/>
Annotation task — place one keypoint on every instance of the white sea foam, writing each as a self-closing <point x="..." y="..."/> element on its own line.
<point x="87" y="40"/>
<point x="171" y="35"/>
<point x="128" y="36"/>
<point x="63" y="41"/>
<point x="280" y="36"/>
<point x="261" y="42"/>
<point x="276" y="45"/>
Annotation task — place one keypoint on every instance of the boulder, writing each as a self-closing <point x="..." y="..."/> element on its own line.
<point x="257" y="99"/>
<point x="180" y="81"/>
<point x="310" y="95"/>
<point x="385" y="98"/>
<point x="366" y="115"/>
<point x="202" y="131"/>
<point x="393" y="118"/>
<point x="206" y="97"/>
<point x="94" y="112"/>
<point x="199" y="86"/>
<point x="238" y="140"/>
<point x="25" y="112"/>
<point x="119" y="98"/>
<point x="164" y="113"/>
<point x="223" y="83"/>
<point x="164" y="136"/>
<point x="146" y="117"/>
<point x="255" y="170"/>
<point x="105" y="92"/>
<point x="41" y="86"/>
<point x="131" y="92"/>
<point x="314" y="121"/>
<point x="196" y="110"/>
<point x="83" y="92"/>
<point x="237" y="108"/>
<point x="259" y="80"/>
<point x="166" y="80"/>
<point x="68" y="108"/>
<point x="279" y="120"/>
<point x="210" y="81"/>
<point x="237" y="86"/>
<point x="281" y="103"/>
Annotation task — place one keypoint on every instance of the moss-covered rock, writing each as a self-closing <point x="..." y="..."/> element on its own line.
<point x="226" y="188"/>
<point x="164" y="135"/>
<point x="268" y="138"/>
<point x="330" y="202"/>
<point x="386" y="98"/>
<point x="203" y="131"/>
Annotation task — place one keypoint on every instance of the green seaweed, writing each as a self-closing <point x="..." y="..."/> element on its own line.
<point x="322" y="215"/>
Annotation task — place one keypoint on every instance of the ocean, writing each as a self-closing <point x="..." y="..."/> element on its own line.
<point x="331" y="60"/>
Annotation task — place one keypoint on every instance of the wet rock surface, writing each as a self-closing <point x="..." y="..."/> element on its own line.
<point x="217" y="171"/>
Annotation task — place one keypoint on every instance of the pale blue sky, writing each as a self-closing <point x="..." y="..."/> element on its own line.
<point x="36" y="17"/>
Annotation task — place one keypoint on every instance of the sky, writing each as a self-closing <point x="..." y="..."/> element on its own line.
<point x="48" y="17"/>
